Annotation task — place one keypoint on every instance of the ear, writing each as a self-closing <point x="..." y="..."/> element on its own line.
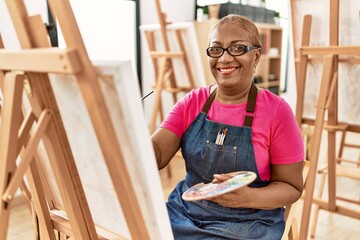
<point x="257" y="55"/>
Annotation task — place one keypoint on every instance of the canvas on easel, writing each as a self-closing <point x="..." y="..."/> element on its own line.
<point x="349" y="33"/>
<point x="171" y="49"/>
<point x="77" y="184"/>
<point x="331" y="56"/>
<point x="122" y="97"/>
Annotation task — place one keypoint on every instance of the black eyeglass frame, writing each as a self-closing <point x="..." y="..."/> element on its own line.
<point x="246" y="49"/>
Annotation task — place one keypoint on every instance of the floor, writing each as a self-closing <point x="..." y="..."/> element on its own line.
<point x="330" y="226"/>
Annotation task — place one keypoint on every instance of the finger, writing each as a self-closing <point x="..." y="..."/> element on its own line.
<point x="222" y="177"/>
<point x="198" y="184"/>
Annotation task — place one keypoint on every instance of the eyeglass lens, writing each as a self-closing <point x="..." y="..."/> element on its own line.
<point x="234" y="50"/>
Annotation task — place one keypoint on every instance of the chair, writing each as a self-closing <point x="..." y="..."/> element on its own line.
<point x="291" y="226"/>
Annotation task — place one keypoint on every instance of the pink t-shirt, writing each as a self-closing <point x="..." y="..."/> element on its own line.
<point x="276" y="135"/>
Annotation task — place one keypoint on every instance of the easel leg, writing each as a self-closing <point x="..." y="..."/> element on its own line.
<point x="341" y="148"/>
<point x="10" y="124"/>
<point x="1" y="77"/>
<point x="35" y="222"/>
<point x="293" y="235"/>
<point x="319" y="122"/>
<point x="158" y="87"/>
<point x="1" y="88"/>
<point x="28" y="155"/>
<point x="301" y="70"/>
<point x="317" y="207"/>
<point x="186" y="62"/>
<point x="40" y="206"/>
<point x="10" y="146"/>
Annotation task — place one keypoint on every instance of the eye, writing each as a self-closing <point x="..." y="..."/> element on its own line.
<point x="237" y="49"/>
<point x="215" y="50"/>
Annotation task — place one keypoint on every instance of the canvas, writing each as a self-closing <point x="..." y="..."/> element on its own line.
<point x="349" y="35"/>
<point x="120" y="88"/>
<point x="192" y="50"/>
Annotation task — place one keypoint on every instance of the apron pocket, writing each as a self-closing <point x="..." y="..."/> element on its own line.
<point x="219" y="159"/>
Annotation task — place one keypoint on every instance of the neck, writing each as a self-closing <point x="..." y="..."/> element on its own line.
<point x="232" y="96"/>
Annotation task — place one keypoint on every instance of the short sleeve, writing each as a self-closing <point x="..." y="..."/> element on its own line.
<point x="185" y="110"/>
<point x="174" y="119"/>
<point x="286" y="143"/>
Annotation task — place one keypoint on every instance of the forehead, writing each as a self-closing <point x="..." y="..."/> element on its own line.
<point x="228" y="33"/>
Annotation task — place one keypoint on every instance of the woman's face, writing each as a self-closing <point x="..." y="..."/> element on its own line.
<point x="232" y="71"/>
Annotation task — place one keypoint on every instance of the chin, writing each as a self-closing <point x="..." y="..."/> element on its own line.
<point x="229" y="79"/>
<point x="227" y="84"/>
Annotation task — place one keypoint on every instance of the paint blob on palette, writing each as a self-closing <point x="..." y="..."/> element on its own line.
<point x="203" y="191"/>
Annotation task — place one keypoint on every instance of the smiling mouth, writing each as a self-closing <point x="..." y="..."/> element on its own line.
<point x="227" y="70"/>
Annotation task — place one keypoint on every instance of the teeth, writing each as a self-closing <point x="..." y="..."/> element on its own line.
<point x="227" y="69"/>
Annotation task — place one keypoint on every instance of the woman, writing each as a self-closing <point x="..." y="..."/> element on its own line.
<point x="261" y="136"/>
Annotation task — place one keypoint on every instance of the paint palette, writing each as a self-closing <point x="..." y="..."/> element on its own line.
<point x="203" y="191"/>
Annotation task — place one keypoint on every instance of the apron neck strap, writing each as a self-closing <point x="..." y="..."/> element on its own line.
<point x="209" y="102"/>
<point x="250" y="107"/>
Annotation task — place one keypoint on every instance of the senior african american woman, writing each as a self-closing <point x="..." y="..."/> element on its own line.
<point x="262" y="136"/>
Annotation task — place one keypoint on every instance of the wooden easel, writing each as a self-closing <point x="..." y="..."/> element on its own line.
<point x="31" y="66"/>
<point x="1" y="76"/>
<point x="327" y="101"/>
<point x="164" y="70"/>
<point x="341" y="171"/>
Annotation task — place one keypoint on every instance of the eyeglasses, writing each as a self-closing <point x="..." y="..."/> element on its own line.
<point x="234" y="50"/>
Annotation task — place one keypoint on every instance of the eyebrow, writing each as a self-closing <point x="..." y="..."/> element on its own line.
<point x="232" y="42"/>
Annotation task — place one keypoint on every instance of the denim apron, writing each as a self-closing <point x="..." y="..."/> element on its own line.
<point x="203" y="158"/>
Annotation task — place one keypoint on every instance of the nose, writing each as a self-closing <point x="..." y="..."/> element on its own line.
<point x="226" y="57"/>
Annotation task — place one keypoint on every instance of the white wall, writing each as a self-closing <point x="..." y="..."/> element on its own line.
<point x="176" y="10"/>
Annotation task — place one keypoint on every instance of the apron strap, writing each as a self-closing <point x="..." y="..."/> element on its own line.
<point x="249" y="115"/>
<point x="209" y="102"/>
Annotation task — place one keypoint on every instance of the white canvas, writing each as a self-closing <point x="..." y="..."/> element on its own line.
<point x="349" y="35"/>
<point x="121" y="91"/>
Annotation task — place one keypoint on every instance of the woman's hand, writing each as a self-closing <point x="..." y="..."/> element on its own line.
<point x="233" y="199"/>
<point x="285" y="187"/>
